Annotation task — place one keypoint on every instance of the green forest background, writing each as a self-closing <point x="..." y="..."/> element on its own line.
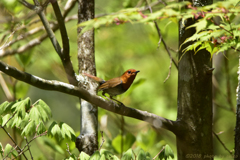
<point x="118" y="48"/>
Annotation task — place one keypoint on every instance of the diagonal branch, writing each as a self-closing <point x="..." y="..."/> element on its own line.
<point x="162" y="40"/>
<point x="62" y="52"/>
<point x="52" y="85"/>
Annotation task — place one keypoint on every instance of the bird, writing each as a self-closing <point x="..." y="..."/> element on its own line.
<point x="117" y="85"/>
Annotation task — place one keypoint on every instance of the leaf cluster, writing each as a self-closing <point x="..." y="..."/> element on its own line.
<point x="30" y="120"/>
<point x="103" y="154"/>
<point x="212" y="35"/>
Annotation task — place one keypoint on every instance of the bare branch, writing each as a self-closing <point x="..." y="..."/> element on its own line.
<point x="222" y="143"/>
<point x="161" y="38"/>
<point x="159" y="152"/>
<point x="103" y="140"/>
<point x="156" y="121"/>
<point x="6" y="89"/>
<point x="23" y="150"/>
<point x="68" y="7"/>
<point x="28" y="147"/>
<point x="68" y="149"/>
<point x="65" y="57"/>
<point x="19" y="149"/>
<point x="28" y="5"/>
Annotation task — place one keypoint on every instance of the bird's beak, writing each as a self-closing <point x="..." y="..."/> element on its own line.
<point x="137" y="72"/>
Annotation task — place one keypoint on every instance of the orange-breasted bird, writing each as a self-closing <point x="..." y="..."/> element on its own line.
<point x="117" y="85"/>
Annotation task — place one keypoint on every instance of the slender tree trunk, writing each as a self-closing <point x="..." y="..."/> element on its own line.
<point x="194" y="98"/>
<point x="87" y="141"/>
<point x="237" y="128"/>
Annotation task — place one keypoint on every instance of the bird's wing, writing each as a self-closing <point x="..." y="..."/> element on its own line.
<point x="110" y="83"/>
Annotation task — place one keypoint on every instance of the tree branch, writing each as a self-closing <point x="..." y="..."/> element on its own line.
<point x="65" y="57"/>
<point x="52" y="85"/>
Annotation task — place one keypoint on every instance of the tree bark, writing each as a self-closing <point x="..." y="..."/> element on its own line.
<point x="194" y="98"/>
<point x="87" y="141"/>
<point x="237" y="128"/>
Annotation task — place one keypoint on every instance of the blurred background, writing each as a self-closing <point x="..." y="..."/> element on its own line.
<point x="117" y="48"/>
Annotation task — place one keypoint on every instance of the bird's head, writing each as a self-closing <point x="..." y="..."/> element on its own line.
<point x="128" y="77"/>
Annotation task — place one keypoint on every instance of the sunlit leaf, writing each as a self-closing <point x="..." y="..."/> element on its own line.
<point x="95" y="156"/>
<point x="128" y="155"/>
<point x="84" y="156"/>
<point x="29" y="129"/>
<point x="141" y="155"/>
<point x="68" y="131"/>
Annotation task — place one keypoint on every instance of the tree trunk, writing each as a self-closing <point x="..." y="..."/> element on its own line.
<point x="87" y="141"/>
<point x="194" y="98"/>
<point x="237" y="128"/>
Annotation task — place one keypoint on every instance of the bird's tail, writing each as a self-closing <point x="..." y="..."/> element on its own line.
<point x="99" y="80"/>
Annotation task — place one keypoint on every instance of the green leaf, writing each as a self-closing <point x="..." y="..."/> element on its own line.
<point x="3" y="107"/>
<point x="41" y="128"/>
<point x="141" y="155"/>
<point x="16" y="121"/>
<point x="29" y="129"/>
<point x="115" y="158"/>
<point x="68" y="131"/>
<point x="55" y="131"/>
<point x="6" y="107"/>
<point x="22" y="106"/>
<point x="107" y="154"/>
<point x="8" y="149"/>
<point x="95" y="156"/>
<point x="72" y="157"/>
<point x="24" y="121"/>
<point x="128" y="155"/>
<point x="43" y="109"/>
<point x="200" y="25"/>
<point x="34" y="115"/>
<point x="102" y="157"/>
<point x="5" y="119"/>
<point x="166" y="153"/>
<point x="84" y="156"/>
<point x="1" y="149"/>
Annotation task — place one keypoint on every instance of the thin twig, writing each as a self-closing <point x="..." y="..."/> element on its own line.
<point x="165" y="45"/>
<point x="5" y="88"/>
<point x="68" y="149"/>
<point x="28" y="147"/>
<point x="169" y="71"/>
<point x="222" y="143"/>
<point x="14" y="142"/>
<point x="9" y="152"/>
<point x="8" y="120"/>
<point x="42" y="134"/>
<point x="103" y="140"/>
<point x="159" y="153"/>
<point x="28" y="5"/>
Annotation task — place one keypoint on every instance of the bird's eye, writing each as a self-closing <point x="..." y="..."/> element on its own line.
<point x="129" y="72"/>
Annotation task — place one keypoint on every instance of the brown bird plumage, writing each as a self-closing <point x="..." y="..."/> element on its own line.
<point x="117" y="85"/>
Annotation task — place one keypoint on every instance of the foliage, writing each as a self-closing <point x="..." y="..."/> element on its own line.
<point x="209" y="34"/>
<point x="165" y="153"/>
<point x="30" y="120"/>
<point x="213" y="36"/>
